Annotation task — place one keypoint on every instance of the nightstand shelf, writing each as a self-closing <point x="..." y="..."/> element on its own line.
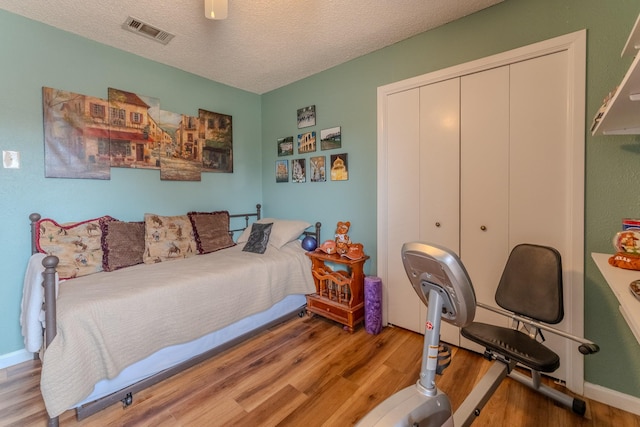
<point x="339" y="293"/>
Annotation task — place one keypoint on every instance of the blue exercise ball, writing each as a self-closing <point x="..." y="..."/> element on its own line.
<point x="309" y="244"/>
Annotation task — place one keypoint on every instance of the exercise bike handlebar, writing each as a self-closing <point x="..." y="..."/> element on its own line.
<point x="586" y="346"/>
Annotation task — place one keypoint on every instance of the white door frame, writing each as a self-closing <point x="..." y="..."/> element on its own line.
<point x="575" y="46"/>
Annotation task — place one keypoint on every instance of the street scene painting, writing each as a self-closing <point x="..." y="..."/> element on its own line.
<point x="134" y="133"/>
<point x="85" y="137"/>
<point x="76" y="135"/>
<point x="178" y="162"/>
<point x="216" y="135"/>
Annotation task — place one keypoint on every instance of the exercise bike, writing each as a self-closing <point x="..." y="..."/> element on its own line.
<point x="530" y="289"/>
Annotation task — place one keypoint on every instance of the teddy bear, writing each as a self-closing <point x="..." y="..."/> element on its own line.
<point x="342" y="238"/>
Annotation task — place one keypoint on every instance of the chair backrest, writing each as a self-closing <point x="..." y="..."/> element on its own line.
<point x="531" y="283"/>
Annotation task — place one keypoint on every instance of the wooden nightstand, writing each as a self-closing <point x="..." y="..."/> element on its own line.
<point x="339" y="293"/>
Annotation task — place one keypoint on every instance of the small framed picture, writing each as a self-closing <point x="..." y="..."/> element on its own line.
<point x="317" y="169"/>
<point x="307" y="142"/>
<point x="330" y="138"/>
<point x="298" y="170"/>
<point x="339" y="167"/>
<point x="307" y="117"/>
<point x="285" y="146"/>
<point x="282" y="171"/>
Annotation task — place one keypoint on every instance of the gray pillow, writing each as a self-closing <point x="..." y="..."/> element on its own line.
<point x="259" y="238"/>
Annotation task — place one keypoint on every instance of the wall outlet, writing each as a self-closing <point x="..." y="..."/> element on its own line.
<point x="11" y="159"/>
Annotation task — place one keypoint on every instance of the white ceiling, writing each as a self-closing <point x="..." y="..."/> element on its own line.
<point x="264" y="44"/>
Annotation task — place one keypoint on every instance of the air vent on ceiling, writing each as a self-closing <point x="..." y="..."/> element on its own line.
<point x="137" y="26"/>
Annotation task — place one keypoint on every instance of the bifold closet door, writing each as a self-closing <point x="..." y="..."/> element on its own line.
<point x="540" y="177"/>
<point x="484" y="184"/>
<point x="440" y="173"/>
<point x="403" y="207"/>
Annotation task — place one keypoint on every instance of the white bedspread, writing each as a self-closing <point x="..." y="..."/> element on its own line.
<point x="107" y="321"/>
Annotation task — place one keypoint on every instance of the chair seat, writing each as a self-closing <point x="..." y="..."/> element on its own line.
<point x="514" y="344"/>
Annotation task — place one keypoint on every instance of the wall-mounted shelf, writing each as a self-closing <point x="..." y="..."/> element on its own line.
<point x="621" y="115"/>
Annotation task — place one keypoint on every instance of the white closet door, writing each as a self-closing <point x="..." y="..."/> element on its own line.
<point x="440" y="163"/>
<point x="540" y="182"/>
<point x="403" y="207"/>
<point x="484" y="184"/>
<point x="440" y="173"/>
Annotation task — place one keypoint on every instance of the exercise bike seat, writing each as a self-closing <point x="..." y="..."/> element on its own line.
<point x="530" y="288"/>
<point x="515" y="345"/>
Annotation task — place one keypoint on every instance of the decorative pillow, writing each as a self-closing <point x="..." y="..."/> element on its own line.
<point x="167" y="238"/>
<point x="122" y="244"/>
<point x="283" y="231"/>
<point x="77" y="245"/>
<point x="258" y="238"/>
<point x="211" y="231"/>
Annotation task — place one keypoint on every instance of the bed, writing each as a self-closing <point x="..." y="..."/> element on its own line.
<point x="113" y="333"/>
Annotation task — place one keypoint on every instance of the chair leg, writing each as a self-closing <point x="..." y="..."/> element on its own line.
<point x="534" y="382"/>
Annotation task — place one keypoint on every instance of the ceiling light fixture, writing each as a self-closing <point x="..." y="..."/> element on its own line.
<point x="216" y="9"/>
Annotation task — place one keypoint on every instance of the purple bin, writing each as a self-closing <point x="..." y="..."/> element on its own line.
<point x="372" y="304"/>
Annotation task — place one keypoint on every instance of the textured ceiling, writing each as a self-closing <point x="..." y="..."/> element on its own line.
<point x="264" y="44"/>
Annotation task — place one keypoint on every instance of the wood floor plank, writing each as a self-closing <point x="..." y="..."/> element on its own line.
<point x="316" y="410"/>
<point x="274" y="409"/>
<point x="305" y="372"/>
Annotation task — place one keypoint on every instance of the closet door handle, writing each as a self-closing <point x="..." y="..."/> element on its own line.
<point x="437" y="224"/>
<point x="483" y="228"/>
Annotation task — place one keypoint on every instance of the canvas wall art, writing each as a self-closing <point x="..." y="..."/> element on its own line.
<point x="85" y="137"/>
<point x="307" y="117"/>
<point x="179" y="160"/>
<point x="307" y="142"/>
<point x="317" y="169"/>
<point x="298" y="170"/>
<point x="282" y="171"/>
<point x="215" y="146"/>
<point x="330" y="138"/>
<point x="285" y="146"/>
<point x="133" y="130"/>
<point x="76" y="135"/>
<point x="339" y="167"/>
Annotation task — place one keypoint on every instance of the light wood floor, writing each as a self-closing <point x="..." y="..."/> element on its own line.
<point x="305" y="372"/>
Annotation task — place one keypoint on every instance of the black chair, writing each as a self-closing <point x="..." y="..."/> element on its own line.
<point x="531" y="291"/>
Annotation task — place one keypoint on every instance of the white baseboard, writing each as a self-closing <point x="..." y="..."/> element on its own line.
<point x="14" y="358"/>
<point x="612" y="398"/>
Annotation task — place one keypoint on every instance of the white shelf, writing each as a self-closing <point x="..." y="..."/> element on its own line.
<point x="622" y="114"/>
<point x="619" y="280"/>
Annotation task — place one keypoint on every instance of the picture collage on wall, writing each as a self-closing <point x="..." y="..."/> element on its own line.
<point x="314" y="168"/>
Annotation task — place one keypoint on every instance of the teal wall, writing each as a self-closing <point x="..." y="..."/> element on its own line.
<point x="34" y="55"/>
<point x="346" y="96"/>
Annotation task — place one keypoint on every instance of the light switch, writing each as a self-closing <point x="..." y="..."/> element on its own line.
<point x="11" y="159"/>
